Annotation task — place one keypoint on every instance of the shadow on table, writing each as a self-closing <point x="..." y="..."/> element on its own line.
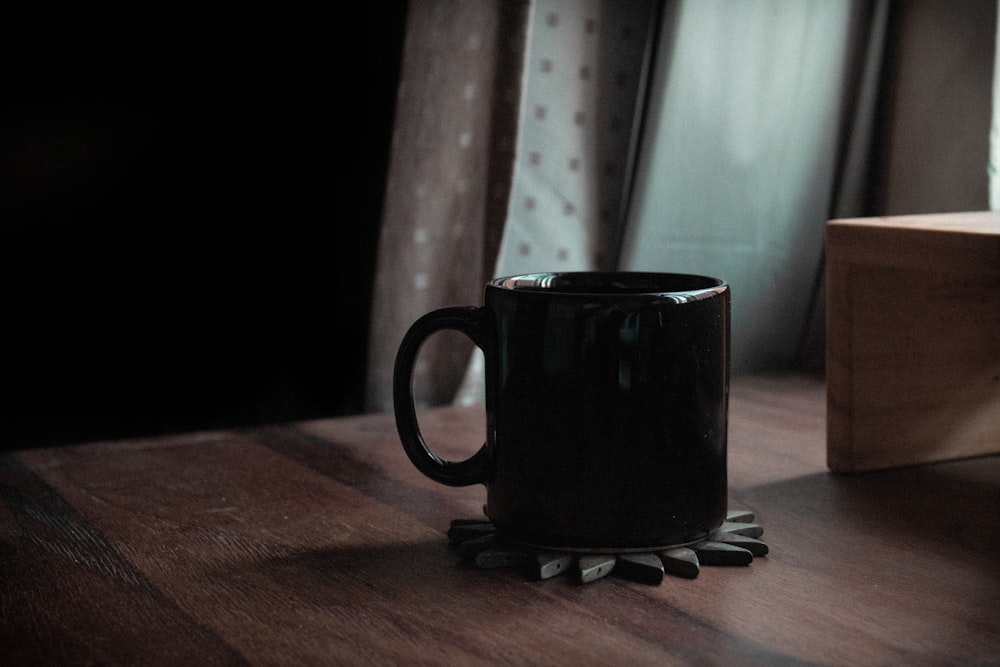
<point x="954" y="504"/>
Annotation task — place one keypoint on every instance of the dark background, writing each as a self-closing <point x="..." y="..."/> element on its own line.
<point x="189" y="202"/>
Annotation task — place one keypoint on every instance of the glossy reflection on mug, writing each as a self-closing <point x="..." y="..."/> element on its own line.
<point x="606" y="403"/>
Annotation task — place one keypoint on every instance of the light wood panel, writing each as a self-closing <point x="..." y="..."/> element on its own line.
<point x="913" y="339"/>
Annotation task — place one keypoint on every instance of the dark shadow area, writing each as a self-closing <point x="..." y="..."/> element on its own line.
<point x="955" y="504"/>
<point x="190" y="196"/>
<point x="61" y="558"/>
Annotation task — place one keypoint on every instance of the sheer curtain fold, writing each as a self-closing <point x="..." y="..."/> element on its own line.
<point x="741" y="167"/>
<point x="719" y="136"/>
<point x="508" y="157"/>
<point x="586" y="68"/>
<point x="448" y="181"/>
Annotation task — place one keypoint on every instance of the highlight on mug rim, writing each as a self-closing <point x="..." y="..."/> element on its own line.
<point x="676" y="287"/>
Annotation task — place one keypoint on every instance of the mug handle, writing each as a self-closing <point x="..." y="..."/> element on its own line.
<point x="472" y="470"/>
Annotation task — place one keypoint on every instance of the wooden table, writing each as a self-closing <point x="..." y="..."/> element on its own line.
<point x="319" y="543"/>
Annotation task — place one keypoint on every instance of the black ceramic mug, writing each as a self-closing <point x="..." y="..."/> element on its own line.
<point x="606" y="401"/>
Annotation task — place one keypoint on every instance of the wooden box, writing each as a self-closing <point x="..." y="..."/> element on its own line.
<point x="913" y="339"/>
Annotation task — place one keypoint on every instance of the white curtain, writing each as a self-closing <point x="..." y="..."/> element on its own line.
<point x="728" y="167"/>
<point x="586" y="69"/>
<point x="739" y="171"/>
<point x="705" y="136"/>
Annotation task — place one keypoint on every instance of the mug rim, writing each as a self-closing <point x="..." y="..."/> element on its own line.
<point x="546" y="282"/>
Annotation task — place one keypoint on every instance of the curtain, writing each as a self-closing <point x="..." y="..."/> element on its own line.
<point x="746" y="148"/>
<point x="587" y="68"/>
<point x="700" y="136"/>
<point x="448" y="183"/>
<point x="536" y="184"/>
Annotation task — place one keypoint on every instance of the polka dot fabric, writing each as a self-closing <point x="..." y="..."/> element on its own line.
<point x="582" y="78"/>
<point x="448" y="184"/>
<point x="509" y="154"/>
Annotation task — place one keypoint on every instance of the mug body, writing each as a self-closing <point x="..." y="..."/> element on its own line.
<point x="607" y="402"/>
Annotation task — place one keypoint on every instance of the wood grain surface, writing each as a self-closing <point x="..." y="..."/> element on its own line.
<point x="913" y="339"/>
<point x="319" y="543"/>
